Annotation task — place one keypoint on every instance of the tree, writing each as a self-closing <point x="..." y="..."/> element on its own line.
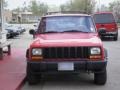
<point x="79" y="5"/>
<point x="115" y="7"/>
<point x="38" y="8"/>
<point x="104" y="8"/>
<point x="18" y="9"/>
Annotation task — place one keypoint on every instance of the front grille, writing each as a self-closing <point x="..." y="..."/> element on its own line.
<point x="65" y="52"/>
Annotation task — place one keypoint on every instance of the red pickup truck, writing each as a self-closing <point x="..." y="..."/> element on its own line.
<point x="66" y="43"/>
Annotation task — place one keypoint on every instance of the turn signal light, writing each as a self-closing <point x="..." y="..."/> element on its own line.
<point x="97" y="57"/>
<point x="37" y="58"/>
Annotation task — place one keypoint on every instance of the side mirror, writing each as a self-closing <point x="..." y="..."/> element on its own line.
<point x="35" y="25"/>
<point x="32" y="32"/>
<point x="101" y="31"/>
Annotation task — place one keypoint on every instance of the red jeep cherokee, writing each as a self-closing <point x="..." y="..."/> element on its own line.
<point x="106" y="21"/>
<point x="66" y="43"/>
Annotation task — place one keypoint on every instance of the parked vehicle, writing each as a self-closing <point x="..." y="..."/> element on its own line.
<point x="13" y="30"/>
<point x="8" y="28"/>
<point x="21" y="29"/>
<point x="66" y="43"/>
<point x="8" y="35"/>
<point x="106" y="21"/>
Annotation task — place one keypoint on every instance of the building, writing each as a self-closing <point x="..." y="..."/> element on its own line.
<point x="7" y="16"/>
<point x="24" y="17"/>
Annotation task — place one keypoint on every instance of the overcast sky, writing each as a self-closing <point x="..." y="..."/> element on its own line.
<point x="19" y="3"/>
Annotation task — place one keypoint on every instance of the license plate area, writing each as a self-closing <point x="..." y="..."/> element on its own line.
<point x="65" y="66"/>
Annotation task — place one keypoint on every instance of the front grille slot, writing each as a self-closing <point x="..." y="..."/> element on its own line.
<point x="65" y="52"/>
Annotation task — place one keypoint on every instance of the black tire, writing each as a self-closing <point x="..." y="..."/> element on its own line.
<point x="100" y="78"/>
<point x="32" y="78"/>
<point x="115" y="37"/>
<point x="106" y="53"/>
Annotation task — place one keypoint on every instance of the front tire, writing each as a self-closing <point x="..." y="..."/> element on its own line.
<point x="115" y="37"/>
<point x="31" y="78"/>
<point x="100" y="78"/>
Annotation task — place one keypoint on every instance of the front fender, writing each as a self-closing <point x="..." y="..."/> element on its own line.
<point x="27" y="53"/>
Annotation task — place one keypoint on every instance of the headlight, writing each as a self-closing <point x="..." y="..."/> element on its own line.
<point x="95" y="51"/>
<point x="36" y="51"/>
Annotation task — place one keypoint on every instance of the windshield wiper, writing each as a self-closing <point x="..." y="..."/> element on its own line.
<point x="75" y="31"/>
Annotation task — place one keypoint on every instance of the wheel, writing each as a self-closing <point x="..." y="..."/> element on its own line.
<point x="32" y="78"/>
<point x="101" y="37"/>
<point x="100" y="78"/>
<point x="115" y="37"/>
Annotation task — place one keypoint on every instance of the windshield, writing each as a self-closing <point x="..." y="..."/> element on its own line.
<point x="104" y="18"/>
<point x="67" y="23"/>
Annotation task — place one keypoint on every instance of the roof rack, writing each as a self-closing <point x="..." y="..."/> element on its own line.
<point x="67" y="12"/>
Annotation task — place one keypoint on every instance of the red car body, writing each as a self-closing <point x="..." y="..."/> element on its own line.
<point x="67" y="40"/>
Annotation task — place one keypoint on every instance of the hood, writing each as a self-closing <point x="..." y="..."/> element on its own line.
<point x="66" y="39"/>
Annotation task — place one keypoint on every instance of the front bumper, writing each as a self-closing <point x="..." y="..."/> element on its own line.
<point x="109" y="33"/>
<point x="79" y="66"/>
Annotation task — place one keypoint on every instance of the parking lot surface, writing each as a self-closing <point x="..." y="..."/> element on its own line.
<point x="80" y="81"/>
